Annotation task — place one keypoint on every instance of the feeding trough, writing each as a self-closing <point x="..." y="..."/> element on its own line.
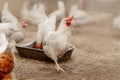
<point x="29" y="51"/>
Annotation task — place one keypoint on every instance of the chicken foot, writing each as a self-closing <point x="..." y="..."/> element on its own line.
<point x="58" y="68"/>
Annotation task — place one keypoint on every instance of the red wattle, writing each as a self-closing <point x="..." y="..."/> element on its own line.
<point x="24" y="26"/>
<point x="68" y="24"/>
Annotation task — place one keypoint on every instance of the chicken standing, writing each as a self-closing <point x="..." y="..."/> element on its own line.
<point x="6" y="59"/>
<point x="80" y="17"/>
<point x="33" y="16"/>
<point x="3" y="42"/>
<point x="55" y="43"/>
<point x="60" y="13"/>
<point x="10" y="26"/>
<point x="44" y="28"/>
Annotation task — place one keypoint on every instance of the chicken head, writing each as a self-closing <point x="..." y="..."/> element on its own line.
<point x="24" y="24"/>
<point x="69" y="20"/>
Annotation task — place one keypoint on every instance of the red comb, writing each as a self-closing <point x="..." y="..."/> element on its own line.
<point x="71" y="18"/>
<point x="24" y="21"/>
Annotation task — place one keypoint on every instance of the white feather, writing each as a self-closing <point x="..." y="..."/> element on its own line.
<point x="3" y="42"/>
<point x="43" y="28"/>
<point x="12" y="31"/>
<point x="55" y="43"/>
<point x="33" y="16"/>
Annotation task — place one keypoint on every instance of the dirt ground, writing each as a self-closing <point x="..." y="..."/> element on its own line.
<point x="96" y="56"/>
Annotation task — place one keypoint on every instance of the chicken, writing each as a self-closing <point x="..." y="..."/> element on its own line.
<point x="13" y="31"/>
<point x="6" y="59"/>
<point x="33" y="16"/>
<point x="10" y="25"/>
<point x="80" y="17"/>
<point x="55" y="43"/>
<point x="7" y="16"/>
<point x="6" y="66"/>
<point x="60" y="13"/>
<point x="44" y="28"/>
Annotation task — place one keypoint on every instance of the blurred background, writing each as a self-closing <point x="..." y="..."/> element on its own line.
<point x="99" y="9"/>
<point x="111" y="6"/>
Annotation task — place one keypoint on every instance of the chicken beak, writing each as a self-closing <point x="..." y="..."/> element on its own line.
<point x="70" y="18"/>
<point x="24" y="24"/>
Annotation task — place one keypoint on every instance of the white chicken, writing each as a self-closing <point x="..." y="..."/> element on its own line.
<point x="10" y="26"/>
<point x="7" y="16"/>
<point x="13" y="31"/>
<point x="60" y="13"/>
<point x="55" y="43"/>
<point x="80" y="17"/>
<point x="33" y="16"/>
<point x="44" y="28"/>
<point x="6" y="59"/>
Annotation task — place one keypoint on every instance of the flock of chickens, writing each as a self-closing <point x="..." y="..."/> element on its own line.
<point x="53" y="42"/>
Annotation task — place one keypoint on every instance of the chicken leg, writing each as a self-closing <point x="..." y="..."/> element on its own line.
<point x="58" y="68"/>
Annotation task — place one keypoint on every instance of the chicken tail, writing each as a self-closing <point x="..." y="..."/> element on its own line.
<point x="5" y="7"/>
<point x="61" y="6"/>
<point x="53" y="21"/>
<point x="24" y="9"/>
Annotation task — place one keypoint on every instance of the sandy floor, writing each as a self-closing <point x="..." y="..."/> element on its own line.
<point x="96" y="56"/>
